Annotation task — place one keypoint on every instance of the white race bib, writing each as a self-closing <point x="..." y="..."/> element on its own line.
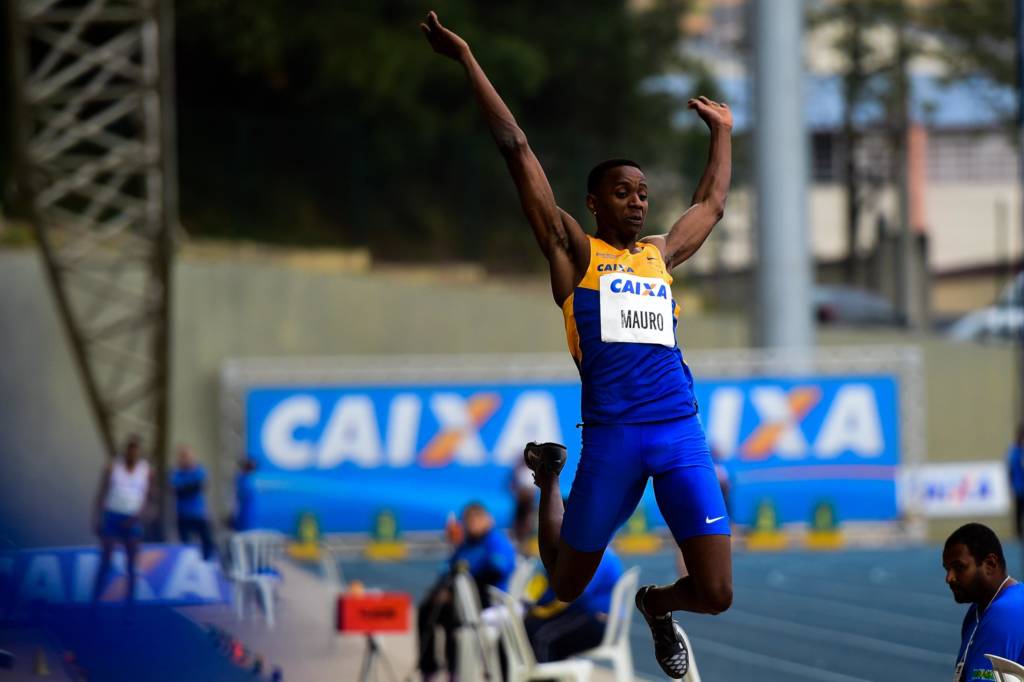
<point x="636" y="310"/>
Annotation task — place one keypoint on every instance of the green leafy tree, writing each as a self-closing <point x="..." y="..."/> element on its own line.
<point x="977" y="43"/>
<point x="337" y="125"/>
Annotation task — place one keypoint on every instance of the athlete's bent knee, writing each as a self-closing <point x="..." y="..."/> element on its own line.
<point x="567" y="589"/>
<point x="718" y="597"/>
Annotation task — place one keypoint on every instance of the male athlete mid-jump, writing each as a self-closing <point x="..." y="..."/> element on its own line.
<point x="639" y="412"/>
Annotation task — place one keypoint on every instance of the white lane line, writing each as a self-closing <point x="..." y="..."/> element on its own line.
<point x="809" y="672"/>
<point x="858" y="592"/>
<point x="833" y="606"/>
<point x="830" y="636"/>
<point x="827" y="578"/>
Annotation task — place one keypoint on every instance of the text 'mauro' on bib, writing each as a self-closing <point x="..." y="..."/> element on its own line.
<point x="636" y="310"/>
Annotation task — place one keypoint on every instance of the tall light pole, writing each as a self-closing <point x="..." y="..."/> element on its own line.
<point x="1018" y="292"/>
<point x="784" y="318"/>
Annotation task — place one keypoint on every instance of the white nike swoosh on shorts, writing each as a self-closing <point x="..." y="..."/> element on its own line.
<point x="717" y="518"/>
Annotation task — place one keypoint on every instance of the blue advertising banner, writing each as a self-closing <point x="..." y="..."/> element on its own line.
<point x="346" y="453"/>
<point x="797" y="442"/>
<point x="172" y="575"/>
<point x="422" y="451"/>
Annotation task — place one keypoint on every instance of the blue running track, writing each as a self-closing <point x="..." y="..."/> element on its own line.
<point x="850" y="616"/>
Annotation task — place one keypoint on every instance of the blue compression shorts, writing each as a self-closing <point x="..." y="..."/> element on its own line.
<point x="615" y="463"/>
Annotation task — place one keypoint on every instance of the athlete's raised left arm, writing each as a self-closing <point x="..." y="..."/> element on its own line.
<point x="708" y="206"/>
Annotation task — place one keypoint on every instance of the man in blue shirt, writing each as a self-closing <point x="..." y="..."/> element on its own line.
<point x="188" y="480"/>
<point x="1015" y="463"/>
<point x="558" y="630"/>
<point x="994" y="624"/>
<point x="245" y="496"/>
<point x="488" y="556"/>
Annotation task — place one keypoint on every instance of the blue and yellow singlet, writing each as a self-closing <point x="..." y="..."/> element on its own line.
<point x="620" y="323"/>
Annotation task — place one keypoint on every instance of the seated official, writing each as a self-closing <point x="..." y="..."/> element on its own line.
<point x="994" y="623"/>
<point x="558" y="630"/>
<point x="488" y="556"/>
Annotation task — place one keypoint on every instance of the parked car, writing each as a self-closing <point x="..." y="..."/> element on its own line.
<point x="847" y="305"/>
<point x="1001" y="321"/>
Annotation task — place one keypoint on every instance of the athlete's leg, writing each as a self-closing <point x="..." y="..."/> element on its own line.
<point x="691" y="502"/>
<point x="690" y="499"/>
<point x="707" y="588"/>
<point x="568" y="569"/>
<point x="609" y="481"/>
<point x="549" y="519"/>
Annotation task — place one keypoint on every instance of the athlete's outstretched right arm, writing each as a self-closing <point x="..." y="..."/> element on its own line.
<point x="559" y="235"/>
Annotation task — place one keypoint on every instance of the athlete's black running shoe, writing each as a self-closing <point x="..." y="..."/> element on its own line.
<point x="669" y="645"/>
<point x="548" y="457"/>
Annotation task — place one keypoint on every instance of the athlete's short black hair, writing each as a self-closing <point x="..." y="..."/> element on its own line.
<point x="474" y="506"/>
<point x="598" y="171"/>
<point x="979" y="540"/>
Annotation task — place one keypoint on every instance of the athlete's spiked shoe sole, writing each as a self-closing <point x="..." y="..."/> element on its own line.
<point x="669" y="644"/>
<point x="546" y="457"/>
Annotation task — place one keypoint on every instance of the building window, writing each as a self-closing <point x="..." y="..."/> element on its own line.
<point x="971" y="156"/>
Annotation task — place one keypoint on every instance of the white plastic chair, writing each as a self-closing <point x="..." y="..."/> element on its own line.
<point x="525" y="567"/>
<point x="253" y="555"/>
<point x="522" y="664"/>
<point x="1006" y="670"/>
<point x="331" y="569"/>
<point x="478" y="642"/>
<point x="614" y="646"/>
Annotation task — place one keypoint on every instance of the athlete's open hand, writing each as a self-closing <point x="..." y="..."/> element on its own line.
<point x="715" y="114"/>
<point x="443" y="41"/>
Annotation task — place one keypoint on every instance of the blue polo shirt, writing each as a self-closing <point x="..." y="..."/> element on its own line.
<point x="596" y="598"/>
<point x="491" y="557"/>
<point x="1000" y="631"/>
<point x="245" y="501"/>
<point x="188" y="489"/>
<point x="1015" y="461"/>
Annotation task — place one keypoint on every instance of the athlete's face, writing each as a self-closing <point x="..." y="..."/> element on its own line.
<point x="621" y="201"/>
<point x="967" y="579"/>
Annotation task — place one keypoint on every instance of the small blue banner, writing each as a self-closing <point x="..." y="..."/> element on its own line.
<point x="173" y="575"/>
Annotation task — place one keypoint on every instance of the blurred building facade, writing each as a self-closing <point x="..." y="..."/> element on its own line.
<point x="960" y="155"/>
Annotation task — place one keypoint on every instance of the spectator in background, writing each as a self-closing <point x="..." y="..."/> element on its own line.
<point x="1015" y="462"/>
<point x="245" y="495"/>
<point x="558" y="630"/>
<point x="524" y="497"/>
<point x="123" y="498"/>
<point x="994" y="623"/>
<point x="188" y="480"/>
<point x="488" y="556"/>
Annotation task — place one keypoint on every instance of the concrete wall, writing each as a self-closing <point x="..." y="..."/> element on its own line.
<point x="227" y="304"/>
<point x="50" y="450"/>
